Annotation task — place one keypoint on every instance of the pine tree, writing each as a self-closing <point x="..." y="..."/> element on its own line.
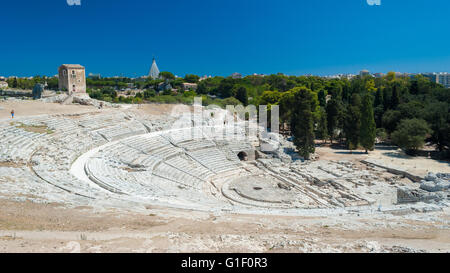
<point x="368" y="126"/>
<point x="302" y="122"/>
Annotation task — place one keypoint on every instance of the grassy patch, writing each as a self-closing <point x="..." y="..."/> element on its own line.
<point x="40" y="129"/>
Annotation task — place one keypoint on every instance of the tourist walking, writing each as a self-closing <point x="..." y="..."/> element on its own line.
<point x="12" y="113"/>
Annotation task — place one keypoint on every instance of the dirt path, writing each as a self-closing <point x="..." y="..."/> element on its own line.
<point x="29" y="227"/>
<point x="26" y="108"/>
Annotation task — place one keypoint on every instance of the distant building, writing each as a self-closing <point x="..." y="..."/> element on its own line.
<point x="154" y="70"/>
<point x="364" y="73"/>
<point x="441" y="78"/>
<point x="346" y="76"/>
<point x="165" y="86"/>
<point x="94" y="76"/>
<point x="444" y="79"/>
<point x="431" y="76"/>
<point x="72" y="78"/>
<point x="204" y="78"/>
<point x="401" y="74"/>
<point x="236" y="76"/>
<point x="379" y="75"/>
<point x="189" y="86"/>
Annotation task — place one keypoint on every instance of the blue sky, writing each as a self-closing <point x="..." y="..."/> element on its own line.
<point x="219" y="37"/>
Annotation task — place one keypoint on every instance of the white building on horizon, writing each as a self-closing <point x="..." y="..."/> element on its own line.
<point x="441" y="78"/>
<point x="236" y="75"/>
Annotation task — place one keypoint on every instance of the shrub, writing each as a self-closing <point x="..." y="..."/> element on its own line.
<point x="411" y="134"/>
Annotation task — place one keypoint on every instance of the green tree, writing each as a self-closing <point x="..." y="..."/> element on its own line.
<point x="395" y="99"/>
<point x="352" y="123"/>
<point x="322" y="96"/>
<point x="302" y="122"/>
<point x="149" y="93"/>
<point x="167" y="75"/>
<point x="387" y="94"/>
<point x="411" y="109"/>
<point x="381" y="134"/>
<point x="322" y="126"/>
<point x="334" y="112"/>
<point x="390" y="120"/>
<point x="379" y="97"/>
<point x="286" y="103"/>
<point x="270" y="97"/>
<point x="437" y="114"/>
<point x="368" y="126"/>
<point x="242" y="95"/>
<point x="370" y="86"/>
<point x="191" y="78"/>
<point x="226" y="89"/>
<point x="411" y="134"/>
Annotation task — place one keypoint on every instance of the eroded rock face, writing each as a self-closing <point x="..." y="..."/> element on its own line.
<point x="438" y="185"/>
<point x="434" y="188"/>
<point x="407" y="195"/>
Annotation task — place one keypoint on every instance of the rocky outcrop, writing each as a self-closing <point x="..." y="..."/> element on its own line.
<point x="434" y="188"/>
<point x="408" y="195"/>
<point x="436" y="182"/>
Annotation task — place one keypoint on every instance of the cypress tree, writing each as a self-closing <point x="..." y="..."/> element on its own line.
<point x="334" y="112"/>
<point x="395" y="100"/>
<point x="368" y="126"/>
<point x="322" y="128"/>
<point x="302" y="122"/>
<point x="379" y="98"/>
<point x="353" y="122"/>
<point x="322" y="98"/>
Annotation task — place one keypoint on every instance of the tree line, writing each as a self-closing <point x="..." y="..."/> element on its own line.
<point x="407" y="111"/>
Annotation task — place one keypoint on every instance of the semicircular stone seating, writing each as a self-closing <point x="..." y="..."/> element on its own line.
<point x="143" y="159"/>
<point x="178" y="163"/>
